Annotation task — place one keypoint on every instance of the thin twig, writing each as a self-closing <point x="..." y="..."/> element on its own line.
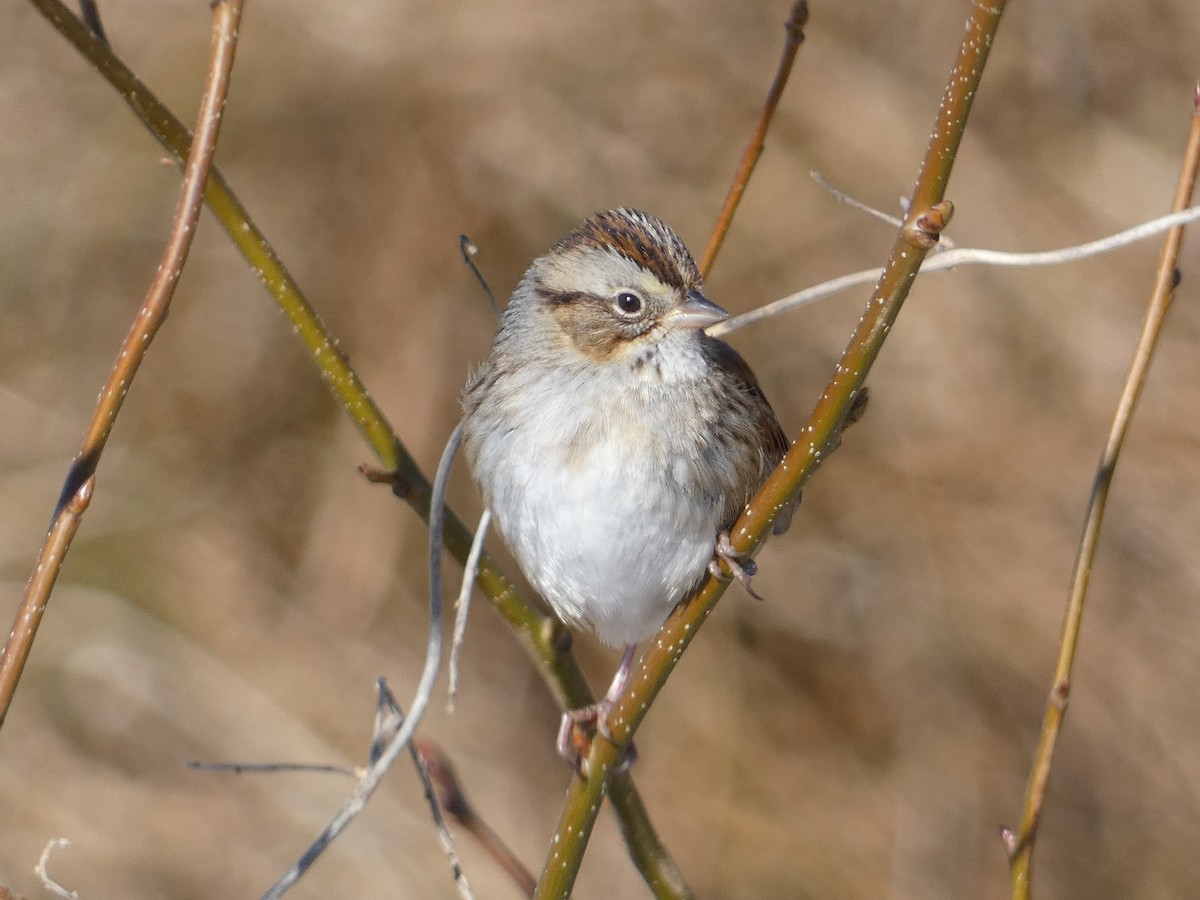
<point x="1020" y="845"/>
<point x="468" y="250"/>
<point x="433" y="657"/>
<point x="962" y="256"/>
<point x="794" y="31"/>
<point x="420" y="761"/>
<point x="388" y="720"/>
<point x="454" y="801"/>
<point x="895" y="221"/>
<point x="462" y="608"/>
<point x="78" y="486"/>
<point x="927" y="216"/>
<point x="44" y="876"/>
<point x="241" y="768"/>
<point x="843" y="197"/>
<point x="37" y="592"/>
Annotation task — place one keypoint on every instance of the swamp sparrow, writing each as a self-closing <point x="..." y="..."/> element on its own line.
<point x="613" y="440"/>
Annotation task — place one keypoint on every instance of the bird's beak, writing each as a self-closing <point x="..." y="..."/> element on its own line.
<point x="697" y="311"/>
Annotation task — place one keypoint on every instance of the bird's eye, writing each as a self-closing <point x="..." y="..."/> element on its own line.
<point x="629" y="303"/>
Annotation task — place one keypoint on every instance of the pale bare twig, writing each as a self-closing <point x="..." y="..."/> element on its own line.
<point x="40" y="869"/>
<point x="389" y="717"/>
<point x="944" y="243"/>
<point x="388" y="720"/>
<point x="842" y="197"/>
<point x="79" y="481"/>
<point x="383" y="760"/>
<point x="1020" y="845"/>
<point x="462" y="607"/>
<point x="962" y="256"/>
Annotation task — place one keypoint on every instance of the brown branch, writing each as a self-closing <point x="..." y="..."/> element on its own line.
<point x="453" y="800"/>
<point x="928" y="213"/>
<point x="37" y="591"/>
<point x="794" y="28"/>
<point x="1020" y="845"/>
<point x="80" y="479"/>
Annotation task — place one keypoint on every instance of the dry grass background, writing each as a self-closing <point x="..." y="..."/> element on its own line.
<point x="237" y="587"/>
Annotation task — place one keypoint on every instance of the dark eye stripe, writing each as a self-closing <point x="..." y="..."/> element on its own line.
<point x="560" y="298"/>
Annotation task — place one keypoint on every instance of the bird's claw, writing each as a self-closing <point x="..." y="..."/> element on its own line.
<point x="741" y="567"/>
<point x="579" y="728"/>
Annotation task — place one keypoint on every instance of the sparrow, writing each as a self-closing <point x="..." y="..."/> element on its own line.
<point x="613" y="440"/>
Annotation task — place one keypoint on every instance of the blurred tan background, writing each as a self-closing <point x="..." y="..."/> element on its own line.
<point x="237" y="587"/>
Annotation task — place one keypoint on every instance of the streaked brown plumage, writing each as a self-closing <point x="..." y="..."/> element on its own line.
<point x="611" y="437"/>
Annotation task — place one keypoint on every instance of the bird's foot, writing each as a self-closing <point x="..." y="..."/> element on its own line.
<point x="579" y="728"/>
<point x="741" y="567"/>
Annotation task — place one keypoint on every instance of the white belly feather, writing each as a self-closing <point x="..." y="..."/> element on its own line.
<point x="591" y="490"/>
